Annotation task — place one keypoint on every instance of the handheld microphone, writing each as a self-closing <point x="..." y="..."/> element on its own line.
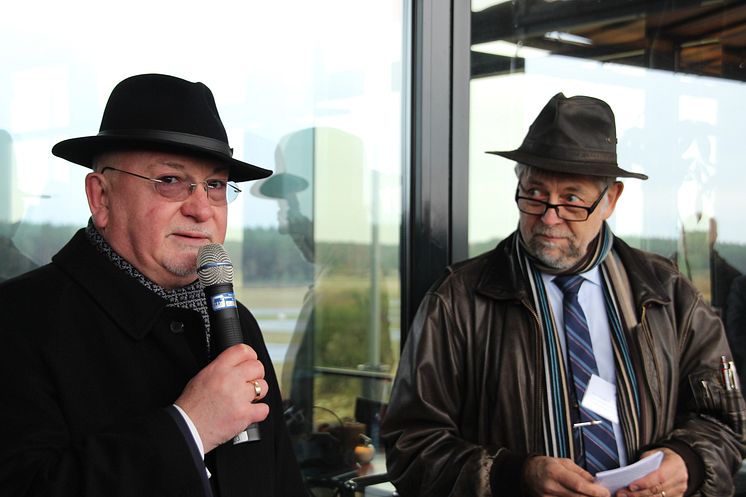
<point x="215" y="272"/>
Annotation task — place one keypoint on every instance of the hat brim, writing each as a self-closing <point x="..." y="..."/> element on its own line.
<point x="83" y="150"/>
<point x="567" y="166"/>
<point x="280" y="185"/>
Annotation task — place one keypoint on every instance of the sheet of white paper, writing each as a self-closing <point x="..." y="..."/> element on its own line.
<point x="615" y="479"/>
<point x="600" y="397"/>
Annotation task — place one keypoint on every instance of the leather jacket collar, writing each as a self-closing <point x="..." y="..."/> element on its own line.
<point x="644" y="278"/>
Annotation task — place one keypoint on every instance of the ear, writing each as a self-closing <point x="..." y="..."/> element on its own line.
<point x="612" y="196"/>
<point x="97" y="191"/>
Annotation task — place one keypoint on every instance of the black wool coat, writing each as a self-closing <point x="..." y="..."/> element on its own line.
<point x="90" y="363"/>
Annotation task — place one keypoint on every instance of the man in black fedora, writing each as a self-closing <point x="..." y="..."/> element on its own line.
<point x="111" y="382"/>
<point x="564" y="352"/>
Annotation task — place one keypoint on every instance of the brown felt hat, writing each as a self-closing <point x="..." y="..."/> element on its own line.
<point x="575" y="135"/>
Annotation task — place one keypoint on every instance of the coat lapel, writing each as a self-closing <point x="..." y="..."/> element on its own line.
<point x="134" y="309"/>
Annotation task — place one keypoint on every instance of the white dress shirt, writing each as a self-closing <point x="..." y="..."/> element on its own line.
<point x="195" y="434"/>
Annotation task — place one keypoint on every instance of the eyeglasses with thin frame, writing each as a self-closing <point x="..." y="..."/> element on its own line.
<point x="568" y="212"/>
<point x="176" y="188"/>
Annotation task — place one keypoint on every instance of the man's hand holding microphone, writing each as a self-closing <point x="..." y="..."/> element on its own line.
<point x="221" y="400"/>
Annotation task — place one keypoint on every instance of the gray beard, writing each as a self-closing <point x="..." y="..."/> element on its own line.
<point x="565" y="260"/>
<point x="181" y="271"/>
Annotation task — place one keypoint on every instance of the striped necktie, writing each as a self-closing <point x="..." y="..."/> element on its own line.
<point x="598" y="442"/>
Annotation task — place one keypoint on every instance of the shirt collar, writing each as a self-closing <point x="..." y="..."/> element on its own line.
<point x="593" y="275"/>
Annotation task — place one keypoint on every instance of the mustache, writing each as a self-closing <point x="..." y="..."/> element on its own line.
<point x="193" y="229"/>
<point x="552" y="232"/>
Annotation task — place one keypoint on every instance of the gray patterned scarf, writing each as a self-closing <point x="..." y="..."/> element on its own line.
<point x="191" y="296"/>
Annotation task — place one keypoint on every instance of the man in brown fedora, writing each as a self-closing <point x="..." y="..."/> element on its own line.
<point x="564" y="352"/>
<point x="112" y="384"/>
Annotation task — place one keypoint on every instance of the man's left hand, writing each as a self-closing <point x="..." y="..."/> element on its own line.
<point x="669" y="480"/>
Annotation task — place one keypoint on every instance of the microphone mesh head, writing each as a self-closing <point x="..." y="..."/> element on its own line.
<point x="213" y="265"/>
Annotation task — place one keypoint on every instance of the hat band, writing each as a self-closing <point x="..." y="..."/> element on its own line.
<point x="569" y="154"/>
<point x="173" y="137"/>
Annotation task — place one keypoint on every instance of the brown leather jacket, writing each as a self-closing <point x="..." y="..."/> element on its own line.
<point x="465" y="410"/>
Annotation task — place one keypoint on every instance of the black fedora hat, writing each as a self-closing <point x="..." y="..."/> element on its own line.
<point x="156" y="111"/>
<point x="575" y="135"/>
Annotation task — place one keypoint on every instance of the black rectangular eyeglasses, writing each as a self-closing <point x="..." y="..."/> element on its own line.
<point x="568" y="212"/>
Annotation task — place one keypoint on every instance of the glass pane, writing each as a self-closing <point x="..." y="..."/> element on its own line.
<point x="674" y="78"/>
<point x="340" y="265"/>
<point x="312" y="90"/>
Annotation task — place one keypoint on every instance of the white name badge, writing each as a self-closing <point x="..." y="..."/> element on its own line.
<point x="600" y="397"/>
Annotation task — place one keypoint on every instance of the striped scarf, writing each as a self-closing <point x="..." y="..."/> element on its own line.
<point x="557" y="415"/>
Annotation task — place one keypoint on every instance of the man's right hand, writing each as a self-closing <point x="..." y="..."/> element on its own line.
<point x="545" y="476"/>
<point x="220" y="399"/>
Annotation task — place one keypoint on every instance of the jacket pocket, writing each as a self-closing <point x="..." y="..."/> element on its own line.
<point x="714" y="400"/>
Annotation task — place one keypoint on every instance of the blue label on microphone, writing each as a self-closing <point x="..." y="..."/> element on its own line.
<point x="223" y="301"/>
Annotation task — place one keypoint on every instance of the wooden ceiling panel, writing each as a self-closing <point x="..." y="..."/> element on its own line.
<point x="699" y="37"/>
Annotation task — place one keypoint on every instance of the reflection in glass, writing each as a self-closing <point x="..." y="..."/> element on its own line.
<point x="340" y="358"/>
<point x="14" y="262"/>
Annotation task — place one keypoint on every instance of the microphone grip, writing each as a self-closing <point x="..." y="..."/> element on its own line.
<point x="225" y="327"/>
<point x="225" y="331"/>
